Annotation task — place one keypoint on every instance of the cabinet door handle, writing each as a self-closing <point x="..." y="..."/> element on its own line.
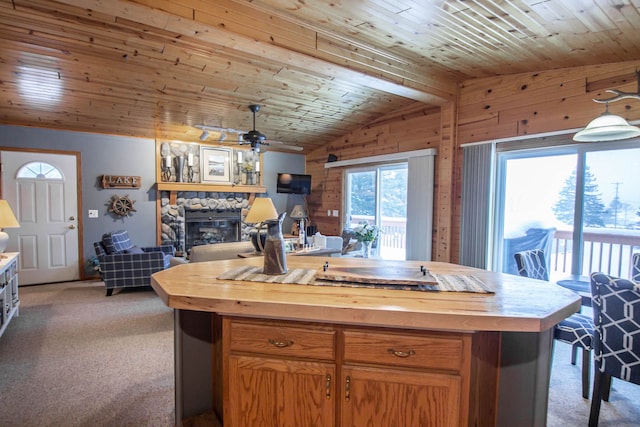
<point x="328" y="387"/>
<point x="280" y="344"/>
<point x="399" y="353"/>
<point x="347" y="389"/>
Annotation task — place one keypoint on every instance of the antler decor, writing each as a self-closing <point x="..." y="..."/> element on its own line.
<point x="620" y="94"/>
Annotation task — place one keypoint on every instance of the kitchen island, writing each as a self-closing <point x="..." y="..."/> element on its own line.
<point x="259" y="353"/>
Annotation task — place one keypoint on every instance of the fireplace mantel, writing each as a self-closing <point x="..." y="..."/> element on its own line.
<point x="188" y="186"/>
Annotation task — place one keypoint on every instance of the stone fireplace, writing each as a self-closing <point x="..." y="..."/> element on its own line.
<point x="198" y="218"/>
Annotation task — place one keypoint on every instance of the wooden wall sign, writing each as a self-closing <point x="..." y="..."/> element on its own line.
<point x="121" y="181"/>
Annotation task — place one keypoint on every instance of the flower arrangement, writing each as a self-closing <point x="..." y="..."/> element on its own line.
<point x="366" y="232"/>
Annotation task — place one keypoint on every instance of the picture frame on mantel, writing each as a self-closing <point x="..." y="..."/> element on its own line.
<point x="216" y="165"/>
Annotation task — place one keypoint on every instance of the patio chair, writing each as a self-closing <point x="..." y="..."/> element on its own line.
<point x="534" y="238"/>
<point x="125" y="265"/>
<point x="635" y="268"/>
<point x="616" y="339"/>
<point x="576" y="330"/>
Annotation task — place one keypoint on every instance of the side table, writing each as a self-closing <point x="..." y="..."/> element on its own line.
<point x="580" y="285"/>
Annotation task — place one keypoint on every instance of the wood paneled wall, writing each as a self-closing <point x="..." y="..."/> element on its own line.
<point x="487" y="109"/>
<point x="414" y="128"/>
<point x="533" y="103"/>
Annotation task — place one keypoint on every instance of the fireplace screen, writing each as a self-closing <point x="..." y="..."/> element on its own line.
<point x="205" y="227"/>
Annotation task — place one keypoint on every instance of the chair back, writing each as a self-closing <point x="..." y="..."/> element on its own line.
<point x="616" y="317"/>
<point x="635" y="268"/>
<point x="532" y="264"/>
<point x="534" y="238"/>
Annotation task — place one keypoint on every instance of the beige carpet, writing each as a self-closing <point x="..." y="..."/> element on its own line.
<point x="77" y="358"/>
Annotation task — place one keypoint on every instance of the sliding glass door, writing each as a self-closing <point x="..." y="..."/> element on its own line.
<point x="377" y="195"/>
<point x="581" y="204"/>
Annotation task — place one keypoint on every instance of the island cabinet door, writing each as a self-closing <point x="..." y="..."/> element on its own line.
<point x="266" y="392"/>
<point x="386" y="397"/>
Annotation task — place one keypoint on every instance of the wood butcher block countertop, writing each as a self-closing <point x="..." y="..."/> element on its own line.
<point x="518" y="304"/>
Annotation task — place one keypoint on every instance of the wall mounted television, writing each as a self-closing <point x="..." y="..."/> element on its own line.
<point x="292" y="183"/>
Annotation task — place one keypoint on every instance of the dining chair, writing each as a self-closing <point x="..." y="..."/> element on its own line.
<point x="576" y="330"/>
<point x="616" y="339"/>
<point x="635" y="268"/>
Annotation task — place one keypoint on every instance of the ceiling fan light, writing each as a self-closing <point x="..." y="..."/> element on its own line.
<point x="607" y="127"/>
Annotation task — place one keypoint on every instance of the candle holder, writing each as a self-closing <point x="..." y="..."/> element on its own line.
<point x="166" y="170"/>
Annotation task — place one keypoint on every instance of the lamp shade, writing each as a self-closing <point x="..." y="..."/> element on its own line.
<point x="607" y="127"/>
<point x="7" y="220"/>
<point x="261" y="210"/>
<point x="298" y="212"/>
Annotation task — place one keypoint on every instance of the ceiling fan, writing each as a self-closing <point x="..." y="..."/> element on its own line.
<point x="255" y="138"/>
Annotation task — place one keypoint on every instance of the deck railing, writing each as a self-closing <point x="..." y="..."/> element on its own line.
<point x="604" y="250"/>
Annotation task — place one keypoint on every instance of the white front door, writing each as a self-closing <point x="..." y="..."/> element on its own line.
<point x="42" y="189"/>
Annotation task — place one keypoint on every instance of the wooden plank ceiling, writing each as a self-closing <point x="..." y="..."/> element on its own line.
<point x="318" y="68"/>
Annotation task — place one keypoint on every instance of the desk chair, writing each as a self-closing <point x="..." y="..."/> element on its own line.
<point x="616" y="339"/>
<point x="576" y="329"/>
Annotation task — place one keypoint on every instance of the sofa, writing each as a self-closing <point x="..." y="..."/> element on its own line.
<point x="218" y="251"/>
<point x="215" y="252"/>
<point x="125" y="265"/>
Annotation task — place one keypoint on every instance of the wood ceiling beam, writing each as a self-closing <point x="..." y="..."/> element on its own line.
<point x="360" y="73"/>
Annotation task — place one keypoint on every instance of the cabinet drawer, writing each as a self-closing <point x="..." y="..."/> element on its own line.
<point x="312" y="342"/>
<point x="420" y="351"/>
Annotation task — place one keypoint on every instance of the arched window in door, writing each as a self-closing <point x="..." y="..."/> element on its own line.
<point x="39" y="170"/>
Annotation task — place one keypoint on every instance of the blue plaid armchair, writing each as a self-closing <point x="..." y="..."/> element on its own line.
<point x="124" y="265"/>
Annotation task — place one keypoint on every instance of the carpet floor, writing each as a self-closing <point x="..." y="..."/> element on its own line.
<point x="77" y="358"/>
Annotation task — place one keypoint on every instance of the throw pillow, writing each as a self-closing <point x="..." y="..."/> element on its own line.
<point x="107" y="242"/>
<point x="134" y="250"/>
<point x="121" y="241"/>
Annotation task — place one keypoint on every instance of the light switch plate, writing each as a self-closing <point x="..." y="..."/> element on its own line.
<point x="335" y="212"/>
<point x="93" y="213"/>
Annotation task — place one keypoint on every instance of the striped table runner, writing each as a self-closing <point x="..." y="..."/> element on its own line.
<point x="302" y="276"/>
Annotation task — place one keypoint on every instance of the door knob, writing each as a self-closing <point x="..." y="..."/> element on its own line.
<point x="71" y="227"/>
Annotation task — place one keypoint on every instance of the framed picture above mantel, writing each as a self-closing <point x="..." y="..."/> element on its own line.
<point x="216" y="165"/>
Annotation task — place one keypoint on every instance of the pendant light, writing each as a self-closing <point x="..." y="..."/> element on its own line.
<point x="609" y="127"/>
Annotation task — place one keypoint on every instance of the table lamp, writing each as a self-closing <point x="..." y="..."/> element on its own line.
<point x="299" y="214"/>
<point x="261" y="210"/>
<point x="7" y="220"/>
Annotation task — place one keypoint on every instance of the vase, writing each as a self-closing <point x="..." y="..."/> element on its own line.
<point x="366" y="249"/>
<point x="179" y="168"/>
<point x="275" y="260"/>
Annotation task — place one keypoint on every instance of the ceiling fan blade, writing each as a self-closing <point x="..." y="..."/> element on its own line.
<point x="286" y="146"/>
